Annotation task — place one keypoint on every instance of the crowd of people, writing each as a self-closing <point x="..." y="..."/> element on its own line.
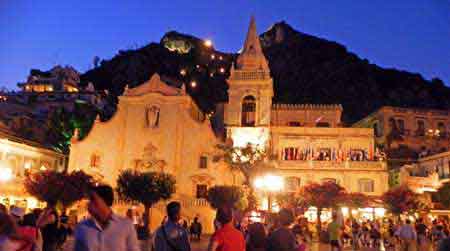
<point x="34" y="231"/>
<point x="44" y="230"/>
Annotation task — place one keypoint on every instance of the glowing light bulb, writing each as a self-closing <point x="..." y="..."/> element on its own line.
<point x="213" y="56"/>
<point x="183" y="72"/>
<point x="27" y="165"/>
<point x="208" y="43"/>
<point x="220" y="57"/>
<point x="5" y="174"/>
<point x="222" y="70"/>
<point x="193" y="84"/>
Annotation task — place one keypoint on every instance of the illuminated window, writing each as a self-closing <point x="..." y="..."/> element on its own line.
<point x="366" y="185"/>
<point x="203" y="162"/>
<point x="248" y="111"/>
<point x="95" y="160"/>
<point x="202" y="191"/>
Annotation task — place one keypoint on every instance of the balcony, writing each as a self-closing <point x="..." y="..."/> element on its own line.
<point x="332" y="165"/>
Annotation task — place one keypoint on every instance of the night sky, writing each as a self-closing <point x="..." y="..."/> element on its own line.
<point x="411" y="35"/>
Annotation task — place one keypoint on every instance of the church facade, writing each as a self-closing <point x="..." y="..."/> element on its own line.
<point x="159" y="127"/>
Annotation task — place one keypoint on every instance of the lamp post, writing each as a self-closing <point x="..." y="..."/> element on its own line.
<point x="269" y="184"/>
<point x="6" y="174"/>
<point x="434" y="135"/>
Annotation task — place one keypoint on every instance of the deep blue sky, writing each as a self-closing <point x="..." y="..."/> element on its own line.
<point x="411" y="35"/>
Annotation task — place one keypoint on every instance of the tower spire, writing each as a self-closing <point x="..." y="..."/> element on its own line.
<point x="252" y="57"/>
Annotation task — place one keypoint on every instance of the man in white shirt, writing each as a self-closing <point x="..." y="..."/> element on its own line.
<point x="105" y="231"/>
<point x="407" y="235"/>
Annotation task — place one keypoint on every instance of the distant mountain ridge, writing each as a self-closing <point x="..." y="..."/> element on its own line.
<point x="305" y="69"/>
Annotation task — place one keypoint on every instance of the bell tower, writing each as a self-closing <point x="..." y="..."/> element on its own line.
<point x="250" y="89"/>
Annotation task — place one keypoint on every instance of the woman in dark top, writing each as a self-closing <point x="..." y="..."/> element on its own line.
<point x="256" y="237"/>
<point x="282" y="238"/>
<point x="48" y="222"/>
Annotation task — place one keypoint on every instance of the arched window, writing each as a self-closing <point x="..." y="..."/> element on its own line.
<point x="248" y="111"/>
<point x="366" y="185"/>
<point x="292" y="184"/>
<point x="392" y="124"/>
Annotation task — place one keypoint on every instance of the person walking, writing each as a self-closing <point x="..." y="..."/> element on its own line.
<point x="29" y="229"/>
<point x="334" y="232"/>
<point x="226" y="237"/>
<point x="10" y="238"/>
<point x="256" y="239"/>
<point x="104" y="231"/>
<point x="171" y="236"/>
<point x="408" y="236"/>
<point x="437" y="235"/>
<point x="356" y="231"/>
<point x="282" y="238"/>
<point x="444" y="245"/>
<point x="196" y="229"/>
<point x="422" y="235"/>
<point x="48" y="223"/>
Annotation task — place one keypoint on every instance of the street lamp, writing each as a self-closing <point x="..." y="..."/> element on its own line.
<point x="434" y="135"/>
<point x="269" y="184"/>
<point x="5" y="174"/>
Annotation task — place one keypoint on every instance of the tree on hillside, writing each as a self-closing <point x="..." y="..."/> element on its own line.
<point x="324" y="195"/>
<point x="401" y="199"/>
<point x="62" y="123"/>
<point x="442" y="196"/>
<point x="55" y="187"/>
<point x="227" y="196"/>
<point x="147" y="188"/>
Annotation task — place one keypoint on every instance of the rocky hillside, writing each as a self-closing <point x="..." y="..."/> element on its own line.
<point x="306" y="69"/>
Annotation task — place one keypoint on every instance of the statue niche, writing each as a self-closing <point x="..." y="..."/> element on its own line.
<point x="152" y="117"/>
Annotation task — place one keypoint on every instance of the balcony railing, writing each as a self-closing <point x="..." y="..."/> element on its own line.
<point x="314" y="164"/>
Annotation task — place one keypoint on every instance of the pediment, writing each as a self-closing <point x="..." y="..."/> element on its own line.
<point x="154" y="85"/>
